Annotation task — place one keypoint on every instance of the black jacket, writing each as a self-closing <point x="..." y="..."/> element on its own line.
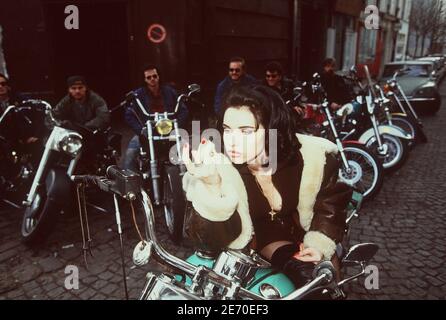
<point x="335" y="88"/>
<point x="93" y="113"/>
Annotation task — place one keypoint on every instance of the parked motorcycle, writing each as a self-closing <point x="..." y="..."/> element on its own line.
<point x="388" y="142"/>
<point x="161" y="171"/>
<point x="69" y="149"/>
<point x="360" y="169"/>
<point x="17" y="156"/>
<point x="403" y="114"/>
<point x="232" y="274"/>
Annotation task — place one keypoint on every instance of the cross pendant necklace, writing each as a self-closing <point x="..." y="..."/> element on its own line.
<point x="273" y="212"/>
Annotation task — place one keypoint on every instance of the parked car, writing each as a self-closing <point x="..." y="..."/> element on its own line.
<point x="418" y="81"/>
<point x="439" y="67"/>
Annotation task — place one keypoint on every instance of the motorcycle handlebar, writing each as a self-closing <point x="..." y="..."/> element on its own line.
<point x="113" y="172"/>
<point x="324" y="276"/>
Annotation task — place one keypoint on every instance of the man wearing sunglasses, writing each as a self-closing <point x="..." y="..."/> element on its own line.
<point x="275" y="79"/>
<point x="237" y="77"/>
<point x="82" y="106"/>
<point x="155" y="96"/>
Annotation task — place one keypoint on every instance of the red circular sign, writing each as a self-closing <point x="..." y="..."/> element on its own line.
<point x="156" y="33"/>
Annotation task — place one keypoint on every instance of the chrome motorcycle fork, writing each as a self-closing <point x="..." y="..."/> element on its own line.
<point x="41" y="169"/>
<point x="388" y="115"/>
<point x="381" y="148"/>
<point x="153" y="165"/>
<point x="338" y="141"/>
<point x="400" y="104"/>
<point x="412" y="110"/>
<point x="73" y="165"/>
<point x="178" y="146"/>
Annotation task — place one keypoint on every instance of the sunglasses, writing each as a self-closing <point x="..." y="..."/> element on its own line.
<point x="3" y="83"/>
<point x="235" y="70"/>
<point x="154" y="77"/>
<point x="272" y="76"/>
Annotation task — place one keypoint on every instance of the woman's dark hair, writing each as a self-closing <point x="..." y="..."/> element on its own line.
<point x="271" y="112"/>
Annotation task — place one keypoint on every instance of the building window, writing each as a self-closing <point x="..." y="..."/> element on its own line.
<point x="367" y="46"/>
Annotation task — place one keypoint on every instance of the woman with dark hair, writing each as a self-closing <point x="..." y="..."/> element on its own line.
<point x="294" y="206"/>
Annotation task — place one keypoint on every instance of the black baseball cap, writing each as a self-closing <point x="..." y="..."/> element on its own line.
<point x="71" y="81"/>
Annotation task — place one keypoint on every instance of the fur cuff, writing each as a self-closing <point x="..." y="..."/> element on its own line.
<point x="211" y="205"/>
<point x="319" y="241"/>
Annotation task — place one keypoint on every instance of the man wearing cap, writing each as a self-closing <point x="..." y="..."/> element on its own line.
<point x="82" y="106"/>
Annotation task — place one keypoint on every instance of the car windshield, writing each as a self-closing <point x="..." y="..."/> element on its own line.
<point x="406" y="70"/>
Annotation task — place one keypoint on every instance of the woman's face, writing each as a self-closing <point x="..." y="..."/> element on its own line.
<point x="243" y="142"/>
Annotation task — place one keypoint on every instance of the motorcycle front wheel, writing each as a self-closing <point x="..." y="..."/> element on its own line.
<point x="366" y="173"/>
<point x="174" y="203"/>
<point x="38" y="219"/>
<point x="409" y="126"/>
<point x="397" y="152"/>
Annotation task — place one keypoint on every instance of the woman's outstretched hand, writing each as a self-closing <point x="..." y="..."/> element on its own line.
<point x="203" y="163"/>
<point x="308" y="255"/>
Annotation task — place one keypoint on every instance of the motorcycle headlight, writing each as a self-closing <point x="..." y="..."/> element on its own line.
<point x="71" y="144"/>
<point x="164" y="127"/>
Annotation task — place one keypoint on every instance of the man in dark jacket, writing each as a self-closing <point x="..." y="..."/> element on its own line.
<point x="155" y="97"/>
<point x="237" y="77"/>
<point x="7" y="96"/>
<point x="14" y="126"/>
<point x="82" y="106"/>
<point x="334" y="85"/>
<point x="276" y="80"/>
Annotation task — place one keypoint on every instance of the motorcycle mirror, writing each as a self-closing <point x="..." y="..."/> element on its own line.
<point x="130" y="96"/>
<point x="142" y="253"/>
<point x="363" y="252"/>
<point x="194" y="88"/>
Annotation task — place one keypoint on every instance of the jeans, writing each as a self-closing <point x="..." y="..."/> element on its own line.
<point x="131" y="155"/>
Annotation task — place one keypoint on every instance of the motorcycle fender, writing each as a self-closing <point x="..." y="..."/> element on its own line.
<point x="385" y="129"/>
<point x="344" y="143"/>
<point x="58" y="185"/>
<point x="399" y="115"/>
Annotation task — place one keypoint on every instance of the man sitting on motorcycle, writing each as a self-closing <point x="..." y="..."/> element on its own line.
<point x="82" y="106"/>
<point x="16" y="129"/>
<point x="5" y="90"/>
<point x="334" y="85"/>
<point x="276" y="80"/>
<point x="155" y="96"/>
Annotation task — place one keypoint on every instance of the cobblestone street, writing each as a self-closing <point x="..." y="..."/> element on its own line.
<point x="407" y="220"/>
